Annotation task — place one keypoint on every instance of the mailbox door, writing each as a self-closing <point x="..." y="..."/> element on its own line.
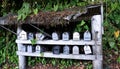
<point x="66" y="50"/>
<point x="65" y="36"/>
<point x="29" y="48"/>
<point x="56" y="50"/>
<point x="76" y="36"/>
<point x="87" y="35"/>
<point x="30" y="36"/>
<point x="75" y="50"/>
<point x="55" y="36"/>
<point x="38" y="49"/>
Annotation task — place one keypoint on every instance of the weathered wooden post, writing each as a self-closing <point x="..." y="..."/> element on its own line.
<point x="97" y="36"/>
<point x="22" y="59"/>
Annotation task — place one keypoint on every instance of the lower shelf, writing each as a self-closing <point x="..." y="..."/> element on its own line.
<point x="51" y="55"/>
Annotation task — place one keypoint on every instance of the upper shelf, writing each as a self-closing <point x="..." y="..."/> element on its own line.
<point x="59" y="42"/>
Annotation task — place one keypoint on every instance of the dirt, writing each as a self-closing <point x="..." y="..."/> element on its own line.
<point x="50" y="66"/>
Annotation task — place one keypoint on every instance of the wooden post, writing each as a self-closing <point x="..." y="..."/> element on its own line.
<point x="97" y="49"/>
<point x="22" y="60"/>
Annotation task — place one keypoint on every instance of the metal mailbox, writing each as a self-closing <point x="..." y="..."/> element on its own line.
<point x="87" y="35"/>
<point x="29" y="49"/>
<point x="23" y="48"/>
<point x="66" y="50"/>
<point x="38" y="49"/>
<point x="75" y="50"/>
<point x="87" y="49"/>
<point x="55" y="36"/>
<point x="65" y="36"/>
<point x="40" y="36"/>
<point x="30" y="36"/>
<point x="56" y="50"/>
<point x="76" y="36"/>
<point x="23" y="35"/>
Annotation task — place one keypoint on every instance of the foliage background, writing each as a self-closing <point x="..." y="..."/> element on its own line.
<point x="111" y="38"/>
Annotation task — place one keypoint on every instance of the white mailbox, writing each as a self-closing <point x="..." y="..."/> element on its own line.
<point x="87" y="35"/>
<point x="23" y="35"/>
<point x="66" y="50"/>
<point x="38" y="49"/>
<point x="23" y="48"/>
<point x="29" y="49"/>
<point x="55" y="36"/>
<point x="65" y="36"/>
<point x="40" y="36"/>
<point x="87" y="49"/>
<point x="76" y="36"/>
<point x="30" y="36"/>
<point x="75" y="50"/>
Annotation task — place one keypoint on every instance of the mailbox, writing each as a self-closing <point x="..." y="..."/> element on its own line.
<point x="23" y="48"/>
<point x="23" y="35"/>
<point x="66" y="50"/>
<point x="55" y="36"/>
<point x="38" y="49"/>
<point x="40" y="36"/>
<point x="75" y="50"/>
<point x="65" y="36"/>
<point x="30" y="36"/>
<point x="76" y="36"/>
<point x="29" y="49"/>
<point x="87" y="49"/>
<point x="87" y="35"/>
<point x="56" y="50"/>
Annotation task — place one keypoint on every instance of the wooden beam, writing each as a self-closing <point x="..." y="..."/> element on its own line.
<point x="64" y="56"/>
<point x="59" y="42"/>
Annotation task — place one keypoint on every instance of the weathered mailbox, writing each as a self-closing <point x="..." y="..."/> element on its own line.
<point x="76" y="36"/>
<point x="40" y="36"/>
<point x="38" y="49"/>
<point x="65" y="36"/>
<point x="23" y="48"/>
<point x="66" y="50"/>
<point x="55" y="36"/>
<point x="23" y="35"/>
<point x="56" y="50"/>
<point x="87" y="49"/>
<point x="29" y="49"/>
<point x="30" y="36"/>
<point x="87" y="35"/>
<point x="75" y="50"/>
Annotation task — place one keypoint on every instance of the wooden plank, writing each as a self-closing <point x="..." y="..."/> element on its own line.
<point x="51" y="55"/>
<point x="21" y="58"/>
<point x="59" y="42"/>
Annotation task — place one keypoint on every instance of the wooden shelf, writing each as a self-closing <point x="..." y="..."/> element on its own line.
<point x="58" y="42"/>
<point x="51" y="55"/>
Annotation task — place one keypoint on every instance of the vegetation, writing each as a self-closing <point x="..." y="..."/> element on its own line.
<point x="111" y="37"/>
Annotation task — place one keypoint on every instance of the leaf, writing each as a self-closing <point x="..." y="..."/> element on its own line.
<point x="82" y="23"/>
<point x="41" y="54"/>
<point x="55" y="8"/>
<point x="33" y="41"/>
<point x="86" y="27"/>
<point x="118" y="60"/>
<point x="35" y="11"/>
<point x="112" y="44"/>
